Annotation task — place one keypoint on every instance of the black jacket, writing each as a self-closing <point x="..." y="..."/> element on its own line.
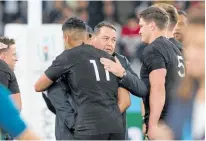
<point x="61" y="104"/>
<point x="131" y="81"/>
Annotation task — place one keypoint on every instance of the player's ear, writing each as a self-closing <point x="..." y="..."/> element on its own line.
<point x="152" y="25"/>
<point x="3" y="55"/>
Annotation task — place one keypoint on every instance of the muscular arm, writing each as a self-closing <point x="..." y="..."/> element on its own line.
<point x="59" y="67"/>
<point x="43" y="83"/>
<point x="123" y="99"/>
<point x="157" y="95"/>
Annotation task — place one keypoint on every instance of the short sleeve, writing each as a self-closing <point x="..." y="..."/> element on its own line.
<point x="4" y="79"/>
<point x="13" y="85"/>
<point x="153" y="59"/>
<point x="8" y="79"/>
<point x="59" y="67"/>
<point x="10" y="113"/>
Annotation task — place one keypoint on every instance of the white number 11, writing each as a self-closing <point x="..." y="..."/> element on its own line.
<point x="97" y="72"/>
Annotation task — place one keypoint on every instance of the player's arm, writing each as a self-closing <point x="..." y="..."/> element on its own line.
<point x="123" y="99"/>
<point x="59" y="66"/>
<point x="157" y="96"/>
<point x="143" y="113"/>
<point x="155" y="61"/>
<point x="43" y="83"/>
<point x="28" y="135"/>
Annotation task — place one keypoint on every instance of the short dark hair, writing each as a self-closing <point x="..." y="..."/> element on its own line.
<point x="103" y="24"/>
<point x="6" y="41"/>
<point x="89" y="31"/>
<point x="181" y="12"/>
<point x="74" y="23"/>
<point x="156" y="14"/>
<point x="171" y="11"/>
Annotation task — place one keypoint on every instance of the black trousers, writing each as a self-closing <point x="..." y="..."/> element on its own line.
<point x="114" y="136"/>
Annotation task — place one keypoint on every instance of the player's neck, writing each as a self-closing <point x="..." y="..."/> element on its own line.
<point x="170" y="34"/>
<point x="157" y="34"/>
<point x="2" y="58"/>
<point x="77" y="43"/>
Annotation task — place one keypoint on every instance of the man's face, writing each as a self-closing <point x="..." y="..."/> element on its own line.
<point x="106" y="40"/>
<point x="10" y="56"/>
<point x="145" y="31"/>
<point x="195" y="51"/>
<point x="179" y="28"/>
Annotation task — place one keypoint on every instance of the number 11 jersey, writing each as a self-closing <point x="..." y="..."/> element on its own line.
<point x="93" y="88"/>
<point x="162" y="53"/>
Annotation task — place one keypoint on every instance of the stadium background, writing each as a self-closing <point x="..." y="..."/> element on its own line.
<point x="36" y="27"/>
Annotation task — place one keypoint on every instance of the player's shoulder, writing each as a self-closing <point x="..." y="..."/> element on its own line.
<point x="4" y="67"/>
<point x="161" y="45"/>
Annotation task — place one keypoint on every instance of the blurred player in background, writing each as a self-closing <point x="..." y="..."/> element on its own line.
<point x="173" y="18"/>
<point x="7" y="64"/>
<point x="10" y="120"/>
<point x="180" y="26"/>
<point x="186" y="116"/>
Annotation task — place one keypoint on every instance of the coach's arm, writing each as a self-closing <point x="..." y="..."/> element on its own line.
<point x="128" y="78"/>
<point x="123" y="99"/>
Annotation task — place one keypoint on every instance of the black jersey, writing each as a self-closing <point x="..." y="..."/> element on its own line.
<point x="176" y="43"/>
<point x="93" y="88"/>
<point x="161" y="53"/>
<point x="8" y="78"/>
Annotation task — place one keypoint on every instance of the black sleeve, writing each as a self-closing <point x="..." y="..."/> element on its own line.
<point x="13" y="85"/>
<point x="9" y="81"/>
<point x="48" y="103"/>
<point x="4" y="79"/>
<point x="59" y="67"/>
<point x="132" y="82"/>
<point x="153" y="59"/>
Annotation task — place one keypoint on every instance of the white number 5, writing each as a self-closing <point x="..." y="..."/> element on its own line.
<point x="180" y="64"/>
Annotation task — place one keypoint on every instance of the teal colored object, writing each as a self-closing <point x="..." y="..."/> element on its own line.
<point x="134" y="119"/>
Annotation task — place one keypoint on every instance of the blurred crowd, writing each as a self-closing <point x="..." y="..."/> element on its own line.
<point x="123" y="14"/>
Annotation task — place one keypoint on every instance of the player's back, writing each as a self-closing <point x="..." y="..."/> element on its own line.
<point x="94" y="90"/>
